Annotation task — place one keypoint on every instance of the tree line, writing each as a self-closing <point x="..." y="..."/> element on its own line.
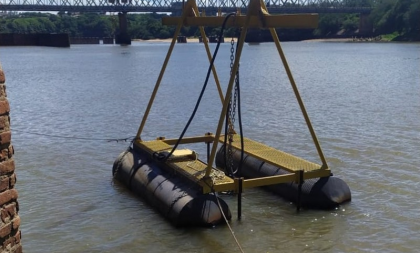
<point x="399" y="19"/>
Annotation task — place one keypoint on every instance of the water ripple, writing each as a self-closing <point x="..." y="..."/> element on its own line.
<point x="363" y="104"/>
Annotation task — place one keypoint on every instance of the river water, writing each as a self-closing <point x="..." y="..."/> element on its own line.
<point x="363" y="100"/>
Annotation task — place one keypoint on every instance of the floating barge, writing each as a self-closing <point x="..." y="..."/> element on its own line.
<point x="184" y="188"/>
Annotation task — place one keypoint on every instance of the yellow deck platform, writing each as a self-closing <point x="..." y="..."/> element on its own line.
<point x="273" y="156"/>
<point x="195" y="169"/>
<point x="192" y="169"/>
<point x="186" y="162"/>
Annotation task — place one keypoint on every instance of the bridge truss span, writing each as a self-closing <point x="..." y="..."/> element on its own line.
<point x="274" y="6"/>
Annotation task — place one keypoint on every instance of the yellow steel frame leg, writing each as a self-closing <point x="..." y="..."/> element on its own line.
<point x="190" y="10"/>
<point x="257" y="16"/>
<point x="251" y="12"/>
<point x="258" y="8"/>
<point x="296" y="91"/>
<point x="209" y="56"/>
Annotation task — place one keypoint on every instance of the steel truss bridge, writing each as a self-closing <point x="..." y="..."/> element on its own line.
<point x="209" y="6"/>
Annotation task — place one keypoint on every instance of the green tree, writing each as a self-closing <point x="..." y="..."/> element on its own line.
<point x="328" y="24"/>
<point x="382" y="17"/>
<point x="47" y="25"/>
<point x="68" y="25"/>
<point x="351" y="22"/>
<point x="413" y="17"/>
<point x="400" y="13"/>
<point x="402" y="16"/>
<point x="388" y="16"/>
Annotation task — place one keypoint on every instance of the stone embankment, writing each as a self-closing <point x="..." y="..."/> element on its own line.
<point x="38" y="39"/>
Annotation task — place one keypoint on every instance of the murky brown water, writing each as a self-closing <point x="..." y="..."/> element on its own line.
<point x="363" y="100"/>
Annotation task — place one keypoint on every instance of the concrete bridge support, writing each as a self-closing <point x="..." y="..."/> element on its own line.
<point x="122" y="36"/>
<point x="365" y="25"/>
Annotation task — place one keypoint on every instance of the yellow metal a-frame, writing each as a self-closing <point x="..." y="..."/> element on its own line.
<point x="204" y="174"/>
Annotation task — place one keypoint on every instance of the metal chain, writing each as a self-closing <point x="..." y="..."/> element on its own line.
<point x="232" y="108"/>
<point x="232" y="104"/>
<point x="235" y="93"/>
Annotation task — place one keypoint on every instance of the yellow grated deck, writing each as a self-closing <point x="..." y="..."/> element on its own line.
<point x="193" y="169"/>
<point x="273" y="156"/>
<point x="196" y="170"/>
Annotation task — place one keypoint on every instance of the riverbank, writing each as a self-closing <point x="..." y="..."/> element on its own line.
<point x="330" y="40"/>
<point x="196" y="40"/>
<point x="192" y="40"/>
<point x="227" y="39"/>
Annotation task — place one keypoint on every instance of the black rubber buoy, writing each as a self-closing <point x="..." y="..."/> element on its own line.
<point x="180" y="201"/>
<point x="317" y="193"/>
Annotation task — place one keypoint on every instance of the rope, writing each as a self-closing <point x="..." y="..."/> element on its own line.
<point x="118" y="163"/>
<point x="131" y="138"/>
<point x="230" y="228"/>
<point x="224" y="217"/>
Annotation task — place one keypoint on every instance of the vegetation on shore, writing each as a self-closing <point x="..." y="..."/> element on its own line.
<point x="392" y="19"/>
<point x="397" y="19"/>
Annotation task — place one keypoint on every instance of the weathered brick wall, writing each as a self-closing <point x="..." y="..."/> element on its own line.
<point x="9" y="207"/>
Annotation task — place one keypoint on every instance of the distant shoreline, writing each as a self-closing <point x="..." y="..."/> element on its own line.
<point x="227" y="40"/>
<point x="330" y="40"/>
<point x="165" y="40"/>
<point x="196" y="40"/>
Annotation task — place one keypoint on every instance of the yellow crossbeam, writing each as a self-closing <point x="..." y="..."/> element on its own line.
<point x="291" y="21"/>
<point x="206" y="139"/>
<point x="264" y="181"/>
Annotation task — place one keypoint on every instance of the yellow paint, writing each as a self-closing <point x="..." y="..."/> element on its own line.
<point x="205" y="175"/>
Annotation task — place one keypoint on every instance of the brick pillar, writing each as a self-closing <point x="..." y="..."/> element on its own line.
<point x="9" y="207"/>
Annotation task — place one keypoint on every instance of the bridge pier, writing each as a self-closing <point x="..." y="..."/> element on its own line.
<point x="365" y="25"/>
<point x="122" y="36"/>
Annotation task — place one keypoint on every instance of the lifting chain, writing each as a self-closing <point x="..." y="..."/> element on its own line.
<point x="232" y="109"/>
